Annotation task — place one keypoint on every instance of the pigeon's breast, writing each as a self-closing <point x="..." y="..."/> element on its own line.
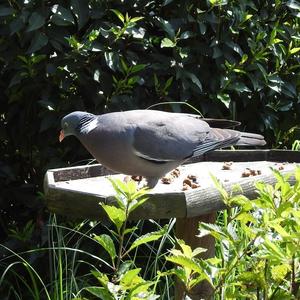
<point x="114" y="149"/>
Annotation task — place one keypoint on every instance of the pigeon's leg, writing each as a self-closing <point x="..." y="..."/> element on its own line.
<point x="152" y="182"/>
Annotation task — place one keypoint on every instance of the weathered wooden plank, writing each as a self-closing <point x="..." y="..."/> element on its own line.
<point x="80" y="204"/>
<point x="203" y="201"/>
<point x="77" y="191"/>
<point x="275" y="155"/>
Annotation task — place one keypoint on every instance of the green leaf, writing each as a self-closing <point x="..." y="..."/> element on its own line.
<point x="293" y="4"/>
<point x="136" y="19"/>
<point x="81" y="11"/>
<point x="136" y="203"/>
<point x="137" y="68"/>
<point x="194" y="79"/>
<point x="294" y="50"/>
<point x="131" y="279"/>
<point x="118" y="14"/>
<point x="167" y="43"/>
<point x="112" y="60"/>
<point x="239" y="87"/>
<point x="16" y="25"/>
<point x="107" y="243"/>
<point x="61" y="16"/>
<point x="167" y="27"/>
<point x="279" y="272"/>
<point x="6" y="11"/>
<point x="35" y="21"/>
<point x="124" y="267"/>
<point x="100" y="292"/>
<point x="39" y="41"/>
<point x="186" y="262"/>
<point x="116" y="215"/>
<point x="148" y="237"/>
<point x="225" y="99"/>
<point x="101" y="277"/>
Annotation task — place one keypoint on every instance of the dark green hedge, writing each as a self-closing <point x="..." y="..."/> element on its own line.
<point x="238" y="59"/>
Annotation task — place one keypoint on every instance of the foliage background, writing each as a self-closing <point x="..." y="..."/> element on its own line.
<point x="235" y="59"/>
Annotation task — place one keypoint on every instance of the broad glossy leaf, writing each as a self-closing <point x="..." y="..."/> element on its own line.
<point x="6" y="11"/>
<point x="61" y="16"/>
<point x="81" y="11"/>
<point x="39" y="41"/>
<point x="167" y="27"/>
<point x="167" y="43"/>
<point x="35" y="21"/>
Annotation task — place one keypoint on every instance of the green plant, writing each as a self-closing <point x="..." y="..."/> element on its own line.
<point x="258" y="243"/>
<point x="124" y="281"/>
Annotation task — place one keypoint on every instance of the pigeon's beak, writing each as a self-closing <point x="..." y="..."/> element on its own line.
<point x="61" y="136"/>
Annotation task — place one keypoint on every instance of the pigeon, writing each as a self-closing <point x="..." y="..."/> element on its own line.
<point x="151" y="143"/>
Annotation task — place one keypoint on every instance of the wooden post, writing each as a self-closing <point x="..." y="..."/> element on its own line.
<point x="187" y="229"/>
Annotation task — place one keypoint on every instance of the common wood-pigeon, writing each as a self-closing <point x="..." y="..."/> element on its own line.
<point x="151" y="143"/>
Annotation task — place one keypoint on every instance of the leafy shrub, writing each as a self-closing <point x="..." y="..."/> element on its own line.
<point x="237" y="59"/>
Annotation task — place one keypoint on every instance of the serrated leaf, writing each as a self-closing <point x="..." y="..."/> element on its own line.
<point x="116" y="215"/>
<point x="35" y="21"/>
<point x="185" y="262"/>
<point x="279" y="272"/>
<point x="148" y="237"/>
<point x="137" y="202"/>
<point x="100" y="292"/>
<point x="107" y="243"/>
<point x="101" y="277"/>
<point x="39" y="41"/>
<point x="130" y="279"/>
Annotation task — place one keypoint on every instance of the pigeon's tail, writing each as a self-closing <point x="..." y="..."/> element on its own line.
<point x="250" y="139"/>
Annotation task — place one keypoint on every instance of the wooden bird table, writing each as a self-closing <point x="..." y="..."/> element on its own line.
<point x="77" y="191"/>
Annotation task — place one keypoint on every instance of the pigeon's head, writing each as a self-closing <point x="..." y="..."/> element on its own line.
<point x="75" y="123"/>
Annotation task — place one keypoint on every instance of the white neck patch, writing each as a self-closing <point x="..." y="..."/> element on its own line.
<point x="89" y="126"/>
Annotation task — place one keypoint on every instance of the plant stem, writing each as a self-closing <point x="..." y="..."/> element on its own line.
<point x="121" y="237"/>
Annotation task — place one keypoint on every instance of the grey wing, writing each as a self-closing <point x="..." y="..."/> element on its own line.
<point x="177" y="141"/>
<point x="173" y="139"/>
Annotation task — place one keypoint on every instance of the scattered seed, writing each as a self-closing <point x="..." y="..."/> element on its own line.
<point x="195" y="185"/>
<point x="186" y="187"/>
<point x="187" y="181"/>
<point x="166" y="180"/>
<point x="192" y="177"/>
<point x="227" y="165"/>
<point x="251" y="172"/>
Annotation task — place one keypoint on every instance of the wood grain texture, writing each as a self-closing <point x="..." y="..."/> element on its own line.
<point x="187" y="229"/>
<point x="67" y="191"/>
<point x="207" y="200"/>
